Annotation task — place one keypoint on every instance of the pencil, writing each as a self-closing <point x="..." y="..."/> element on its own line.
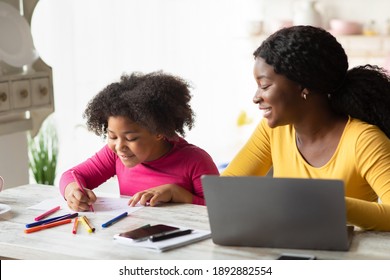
<point x="45" y="226"/>
<point x="170" y="235"/>
<point x="47" y="213"/>
<point x="81" y="187"/>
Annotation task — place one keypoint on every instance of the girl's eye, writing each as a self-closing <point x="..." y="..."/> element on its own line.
<point x="132" y="139"/>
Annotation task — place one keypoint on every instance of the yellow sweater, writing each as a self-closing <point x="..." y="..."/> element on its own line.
<point x="361" y="160"/>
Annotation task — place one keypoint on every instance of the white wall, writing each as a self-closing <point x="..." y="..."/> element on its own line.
<point x="14" y="159"/>
<point x="362" y="11"/>
<point x="90" y="43"/>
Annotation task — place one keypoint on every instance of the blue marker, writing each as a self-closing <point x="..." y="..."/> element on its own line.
<point x="55" y="219"/>
<point x="113" y="221"/>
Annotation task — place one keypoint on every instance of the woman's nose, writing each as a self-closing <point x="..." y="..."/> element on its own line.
<point x="257" y="97"/>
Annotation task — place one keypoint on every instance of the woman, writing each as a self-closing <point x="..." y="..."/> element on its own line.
<point x="321" y="120"/>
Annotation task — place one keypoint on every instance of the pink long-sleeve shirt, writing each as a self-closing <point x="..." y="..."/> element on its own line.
<point x="183" y="165"/>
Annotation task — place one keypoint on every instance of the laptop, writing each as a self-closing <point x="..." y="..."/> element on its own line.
<point x="271" y="212"/>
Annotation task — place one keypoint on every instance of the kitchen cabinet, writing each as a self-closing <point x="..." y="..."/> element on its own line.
<point x="26" y="92"/>
<point x="4" y="97"/>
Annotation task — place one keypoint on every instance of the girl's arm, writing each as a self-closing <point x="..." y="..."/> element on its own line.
<point x="92" y="172"/>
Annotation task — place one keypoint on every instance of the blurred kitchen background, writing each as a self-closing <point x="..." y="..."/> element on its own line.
<point x="90" y="43"/>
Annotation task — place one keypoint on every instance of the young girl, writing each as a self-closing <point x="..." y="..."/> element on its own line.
<point x="142" y="116"/>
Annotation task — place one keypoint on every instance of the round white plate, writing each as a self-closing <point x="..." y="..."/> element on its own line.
<point x="4" y="208"/>
<point x="16" y="44"/>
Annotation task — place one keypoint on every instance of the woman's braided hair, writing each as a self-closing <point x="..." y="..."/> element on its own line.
<point x="313" y="58"/>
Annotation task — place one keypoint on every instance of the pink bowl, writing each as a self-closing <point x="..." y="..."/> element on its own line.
<point x="343" y="27"/>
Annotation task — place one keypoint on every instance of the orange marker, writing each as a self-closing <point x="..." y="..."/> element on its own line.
<point x="45" y="226"/>
<point x="76" y="222"/>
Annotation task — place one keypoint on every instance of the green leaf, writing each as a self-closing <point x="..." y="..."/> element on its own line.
<point x="43" y="153"/>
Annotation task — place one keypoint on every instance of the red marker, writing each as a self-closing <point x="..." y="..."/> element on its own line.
<point x="44" y="215"/>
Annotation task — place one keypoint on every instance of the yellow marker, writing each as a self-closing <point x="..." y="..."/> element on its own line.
<point x="89" y="229"/>
<point x="89" y="223"/>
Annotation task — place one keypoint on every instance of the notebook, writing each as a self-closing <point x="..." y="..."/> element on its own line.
<point x="277" y="212"/>
<point x="165" y="245"/>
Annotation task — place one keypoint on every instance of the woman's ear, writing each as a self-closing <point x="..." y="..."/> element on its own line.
<point x="304" y="93"/>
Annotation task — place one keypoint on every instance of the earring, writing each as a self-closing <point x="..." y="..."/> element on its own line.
<point x="304" y="96"/>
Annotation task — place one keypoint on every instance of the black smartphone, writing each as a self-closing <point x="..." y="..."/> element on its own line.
<point x="140" y="234"/>
<point x="296" y="257"/>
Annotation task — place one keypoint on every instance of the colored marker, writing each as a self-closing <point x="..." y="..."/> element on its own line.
<point x="116" y="219"/>
<point x="87" y="224"/>
<point x="45" y="226"/>
<point x="54" y="219"/>
<point x="76" y="222"/>
<point x="81" y="187"/>
<point x="44" y="215"/>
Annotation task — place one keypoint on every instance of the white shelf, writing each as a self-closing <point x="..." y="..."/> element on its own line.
<point x="15" y="126"/>
<point x="361" y="49"/>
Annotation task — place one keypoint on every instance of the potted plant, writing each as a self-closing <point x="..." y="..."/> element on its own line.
<point x="43" y="153"/>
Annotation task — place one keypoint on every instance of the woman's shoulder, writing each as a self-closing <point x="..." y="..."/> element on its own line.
<point x="357" y="126"/>
<point x="363" y="133"/>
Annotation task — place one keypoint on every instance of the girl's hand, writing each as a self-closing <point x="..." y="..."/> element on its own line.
<point x="77" y="200"/>
<point x="163" y="193"/>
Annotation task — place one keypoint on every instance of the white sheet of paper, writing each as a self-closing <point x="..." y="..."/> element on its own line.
<point x="108" y="205"/>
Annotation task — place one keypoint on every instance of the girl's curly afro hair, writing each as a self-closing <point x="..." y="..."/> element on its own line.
<point x="157" y="101"/>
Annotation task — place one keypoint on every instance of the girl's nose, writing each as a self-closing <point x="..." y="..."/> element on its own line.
<point x="120" y="145"/>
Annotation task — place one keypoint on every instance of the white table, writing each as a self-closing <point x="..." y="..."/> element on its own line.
<point x="59" y="243"/>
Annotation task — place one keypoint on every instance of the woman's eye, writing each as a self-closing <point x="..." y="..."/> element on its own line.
<point x="263" y="87"/>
